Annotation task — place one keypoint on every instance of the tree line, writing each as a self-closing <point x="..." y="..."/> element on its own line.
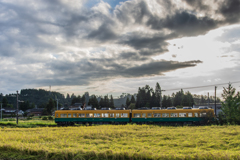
<point x="148" y="97"/>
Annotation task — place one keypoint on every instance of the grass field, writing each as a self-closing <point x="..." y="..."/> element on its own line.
<point x="23" y="123"/>
<point x="121" y="142"/>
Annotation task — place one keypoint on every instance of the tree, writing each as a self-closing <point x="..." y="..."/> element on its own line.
<point x="132" y="99"/>
<point x="93" y="101"/>
<point x="76" y="100"/>
<point x="68" y="96"/>
<point x="144" y="96"/>
<point x="111" y="102"/>
<point x="132" y="106"/>
<point x="50" y="106"/>
<point x="164" y="102"/>
<point x="25" y="106"/>
<point x="72" y="96"/>
<point x="127" y="102"/>
<point x="106" y="101"/>
<point x="169" y="101"/>
<point x="32" y="105"/>
<point x="177" y="101"/>
<point x="83" y="100"/>
<point x="4" y="102"/>
<point x="187" y="99"/>
<point x="154" y="100"/>
<point x="101" y="103"/>
<point x="157" y="92"/>
<point x="231" y="105"/>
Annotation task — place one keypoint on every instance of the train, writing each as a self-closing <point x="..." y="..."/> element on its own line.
<point x="169" y="116"/>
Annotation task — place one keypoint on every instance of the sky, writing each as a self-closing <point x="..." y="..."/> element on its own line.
<point x="114" y="47"/>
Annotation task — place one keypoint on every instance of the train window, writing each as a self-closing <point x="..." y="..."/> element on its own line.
<point x="165" y="115"/>
<point x="149" y="114"/>
<point x="189" y="114"/>
<point x="111" y="114"/>
<point x="69" y="115"/>
<point x="74" y="114"/>
<point x="143" y="115"/>
<point x="89" y="115"/>
<point x="81" y="115"/>
<point x="182" y="114"/>
<point x="196" y="114"/>
<point x="157" y="115"/>
<point x="96" y="114"/>
<point x="57" y="115"/>
<point x="124" y="115"/>
<point x="117" y="115"/>
<point x="203" y="114"/>
<point x="137" y="115"/>
<point x="104" y="115"/>
<point x="174" y="115"/>
<point x="63" y="115"/>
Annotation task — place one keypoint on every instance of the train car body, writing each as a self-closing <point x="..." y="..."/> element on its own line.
<point x="174" y="116"/>
<point x="187" y="116"/>
<point x="68" y="117"/>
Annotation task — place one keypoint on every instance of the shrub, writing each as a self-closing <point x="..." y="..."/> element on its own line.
<point x="50" y="118"/>
<point x="10" y="119"/>
<point x="29" y="118"/>
<point x="44" y="118"/>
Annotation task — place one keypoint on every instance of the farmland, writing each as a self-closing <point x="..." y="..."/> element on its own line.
<point x="121" y="142"/>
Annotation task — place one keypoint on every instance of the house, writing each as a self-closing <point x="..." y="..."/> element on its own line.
<point x="8" y="111"/>
<point x="35" y="111"/>
<point x="76" y="106"/>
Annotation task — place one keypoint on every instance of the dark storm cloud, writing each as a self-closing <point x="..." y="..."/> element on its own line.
<point x="230" y="9"/>
<point x="131" y="56"/>
<point x="89" y="70"/>
<point x="198" y="4"/>
<point x="183" y="23"/>
<point x="104" y="33"/>
<point x="157" y="68"/>
<point x="139" y="41"/>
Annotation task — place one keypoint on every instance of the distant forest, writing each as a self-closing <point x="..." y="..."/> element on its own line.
<point x="146" y="97"/>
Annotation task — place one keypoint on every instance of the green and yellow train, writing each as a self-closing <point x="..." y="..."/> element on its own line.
<point x="175" y="116"/>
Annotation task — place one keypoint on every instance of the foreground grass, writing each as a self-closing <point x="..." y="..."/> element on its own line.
<point x="121" y="142"/>
<point x="28" y="123"/>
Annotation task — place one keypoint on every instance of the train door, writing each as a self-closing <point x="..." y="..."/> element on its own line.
<point x="130" y="117"/>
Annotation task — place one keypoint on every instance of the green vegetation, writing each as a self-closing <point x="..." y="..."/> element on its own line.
<point x="230" y="107"/>
<point x="122" y="142"/>
<point x="30" y="122"/>
<point x="146" y="97"/>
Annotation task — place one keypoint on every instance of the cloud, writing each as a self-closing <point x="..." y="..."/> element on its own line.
<point x="67" y="42"/>
<point x="230" y="10"/>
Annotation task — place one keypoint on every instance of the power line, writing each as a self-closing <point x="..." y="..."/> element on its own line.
<point x="201" y="86"/>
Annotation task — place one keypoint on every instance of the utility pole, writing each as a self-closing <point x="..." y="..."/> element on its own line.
<point x="17" y="107"/>
<point x="215" y="101"/>
<point x="57" y="104"/>
<point x="1" y="111"/>
<point x="208" y="99"/>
